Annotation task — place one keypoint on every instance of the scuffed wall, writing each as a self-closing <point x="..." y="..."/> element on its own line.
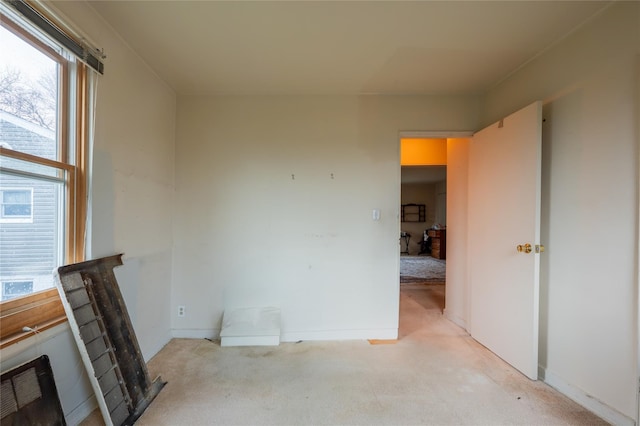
<point x="274" y="201"/>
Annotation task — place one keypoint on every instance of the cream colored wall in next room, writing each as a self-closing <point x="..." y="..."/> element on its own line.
<point x="419" y="193"/>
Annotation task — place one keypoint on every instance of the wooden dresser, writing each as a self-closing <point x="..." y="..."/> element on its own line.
<point x="438" y="243"/>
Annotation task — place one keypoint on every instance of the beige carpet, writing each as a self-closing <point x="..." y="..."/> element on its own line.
<point x="434" y="375"/>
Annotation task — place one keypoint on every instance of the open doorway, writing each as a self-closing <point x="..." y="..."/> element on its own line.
<point x="423" y="235"/>
<point x="423" y="221"/>
<point x="452" y="158"/>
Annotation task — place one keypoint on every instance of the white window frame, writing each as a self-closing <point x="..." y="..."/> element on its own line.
<point x="15" y="218"/>
<point x="16" y="280"/>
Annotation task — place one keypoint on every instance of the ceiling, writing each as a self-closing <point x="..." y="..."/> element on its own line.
<point x="340" y="47"/>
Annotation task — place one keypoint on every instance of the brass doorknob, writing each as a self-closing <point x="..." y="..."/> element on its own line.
<point x="526" y="248"/>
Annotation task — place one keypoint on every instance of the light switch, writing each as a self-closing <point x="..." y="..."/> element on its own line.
<point x="376" y="214"/>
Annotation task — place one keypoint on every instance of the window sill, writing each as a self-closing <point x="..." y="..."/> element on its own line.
<point x="15" y="338"/>
<point x="38" y="311"/>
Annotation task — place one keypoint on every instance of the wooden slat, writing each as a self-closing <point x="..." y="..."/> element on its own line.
<point x="35" y="159"/>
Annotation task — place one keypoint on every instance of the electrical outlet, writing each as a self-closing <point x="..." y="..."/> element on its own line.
<point x="181" y="311"/>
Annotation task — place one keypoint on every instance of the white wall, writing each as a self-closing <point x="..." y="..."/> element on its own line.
<point x="590" y="172"/>
<point x="247" y="234"/>
<point x="133" y="175"/>
<point x="132" y="200"/>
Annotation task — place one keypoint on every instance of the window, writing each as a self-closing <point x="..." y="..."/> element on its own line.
<point x="11" y="289"/>
<point x="16" y="205"/>
<point x="44" y="92"/>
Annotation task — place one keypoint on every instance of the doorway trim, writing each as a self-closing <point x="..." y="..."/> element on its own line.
<point x="637" y="266"/>
<point x="424" y="134"/>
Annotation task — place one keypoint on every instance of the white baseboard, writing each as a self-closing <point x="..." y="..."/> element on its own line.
<point x="295" y="336"/>
<point x="382" y="334"/>
<point x="195" y="333"/>
<point x="599" y="408"/>
<point x="460" y="322"/>
<point x="249" y="341"/>
<point x="82" y="411"/>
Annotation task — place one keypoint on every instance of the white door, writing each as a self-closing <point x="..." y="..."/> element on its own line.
<point x="504" y="212"/>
